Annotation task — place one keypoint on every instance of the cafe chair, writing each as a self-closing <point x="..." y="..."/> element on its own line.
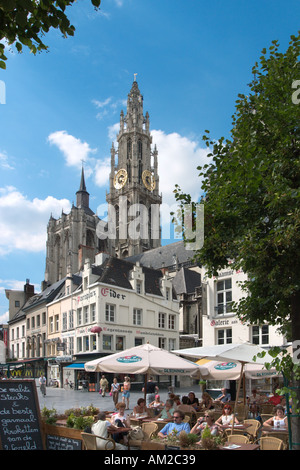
<point x="242" y="412"/>
<point x="90" y="442"/>
<point x="267" y="408"/>
<point x="270" y="443"/>
<point x="237" y="439"/>
<point x="279" y="435"/>
<point x="187" y="418"/>
<point x="253" y="429"/>
<point x="149" y="430"/>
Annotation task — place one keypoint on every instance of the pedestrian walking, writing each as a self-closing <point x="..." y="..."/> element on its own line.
<point x="114" y="390"/>
<point x="103" y="385"/>
<point x="151" y="390"/>
<point x="126" y="392"/>
<point x="42" y="382"/>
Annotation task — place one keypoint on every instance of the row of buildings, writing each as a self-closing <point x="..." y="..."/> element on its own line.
<point x="104" y="294"/>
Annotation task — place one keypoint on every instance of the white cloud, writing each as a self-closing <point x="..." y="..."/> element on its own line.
<point x="4" y="162"/>
<point x="102" y="171"/>
<point x="178" y="158"/>
<point x="23" y="222"/>
<point x="73" y="149"/>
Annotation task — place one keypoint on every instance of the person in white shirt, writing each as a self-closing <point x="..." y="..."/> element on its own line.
<point x="101" y="428"/>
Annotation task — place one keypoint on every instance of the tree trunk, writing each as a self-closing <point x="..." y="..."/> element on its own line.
<point x="295" y="323"/>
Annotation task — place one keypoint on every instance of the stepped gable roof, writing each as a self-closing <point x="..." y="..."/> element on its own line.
<point x="116" y="272"/>
<point x="185" y="281"/>
<point x="168" y="256"/>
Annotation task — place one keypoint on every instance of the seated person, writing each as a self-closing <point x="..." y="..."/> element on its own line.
<point x="157" y="405"/>
<point x="101" y="428"/>
<point x="277" y="421"/>
<point x="224" y="396"/>
<point x="208" y="421"/>
<point x="227" y="417"/>
<point x="207" y="402"/>
<point x="253" y="401"/>
<point x="167" y="411"/>
<point x="121" y="420"/>
<point x="141" y="410"/>
<point x="177" y="425"/>
<point x="192" y="400"/>
<point x="185" y="407"/>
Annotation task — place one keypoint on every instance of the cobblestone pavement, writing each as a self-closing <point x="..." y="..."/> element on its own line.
<point x="62" y="399"/>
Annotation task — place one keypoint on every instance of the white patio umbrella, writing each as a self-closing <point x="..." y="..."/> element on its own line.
<point x="243" y="353"/>
<point x="231" y="370"/>
<point x="144" y="359"/>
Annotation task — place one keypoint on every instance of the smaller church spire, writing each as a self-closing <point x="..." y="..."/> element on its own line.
<point x="82" y="196"/>
<point x="82" y="181"/>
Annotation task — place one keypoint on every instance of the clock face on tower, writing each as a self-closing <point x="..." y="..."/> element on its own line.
<point x="148" y="180"/>
<point x="120" y="179"/>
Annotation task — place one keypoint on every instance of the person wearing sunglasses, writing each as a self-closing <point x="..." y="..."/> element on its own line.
<point x="206" y="421"/>
<point x="177" y="425"/>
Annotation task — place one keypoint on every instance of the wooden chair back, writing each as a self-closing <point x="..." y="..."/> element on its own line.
<point x="237" y="439"/>
<point x="270" y="443"/>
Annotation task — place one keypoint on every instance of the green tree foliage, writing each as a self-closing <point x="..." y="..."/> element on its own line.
<point x="252" y="194"/>
<point x="25" y="22"/>
<point x="252" y="189"/>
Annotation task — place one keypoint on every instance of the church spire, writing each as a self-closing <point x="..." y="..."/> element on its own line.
<point x="82" y="196"/>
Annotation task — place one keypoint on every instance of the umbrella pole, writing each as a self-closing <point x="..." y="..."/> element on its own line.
<point x="145" y="386"/>
<point x="237" y="396"/>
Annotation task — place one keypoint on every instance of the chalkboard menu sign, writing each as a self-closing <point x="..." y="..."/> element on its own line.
<point x="20" y="424"/>
<point x="63" y="443"/>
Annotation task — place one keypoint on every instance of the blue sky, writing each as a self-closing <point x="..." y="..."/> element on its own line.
<point x="192" y="58"/>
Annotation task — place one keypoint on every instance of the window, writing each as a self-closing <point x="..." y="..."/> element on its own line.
<point x="161" y="320"/>
<point x="137" y="316"/>
<point x="79" y="316"/>
<point x="172" y="322"/>
<point x="120" y="343"/>
<point x="51" y="326"/>
<point x="138" y="287"/>
<point x="56" y="322"/>
<point x="167" y="293"/>
<point x="17" y="303"/>
<point x="172" y="344"/>
<point x="224" y="336"/>
<point x="71" y="319"/>
<point x="260" y="334"/>
<point x="110" y="312"/>
<point x="93" y="312"/>
<point x="138" y="341"/>
<point x="94" y="342"/>
<point x="224" y="296"/>
<point x="162" y="343"/>
<point x="79" y="344"/>
<point x="86" y="314"/>
<point x="64" y="321"/>
<point x="107" y="342"/>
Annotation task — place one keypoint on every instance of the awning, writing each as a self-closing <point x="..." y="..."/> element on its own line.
<point x="78" y="366"/>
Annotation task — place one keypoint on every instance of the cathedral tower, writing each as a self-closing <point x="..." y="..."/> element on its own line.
<point x="72" y="238"/>
<point x="134" y="197"/>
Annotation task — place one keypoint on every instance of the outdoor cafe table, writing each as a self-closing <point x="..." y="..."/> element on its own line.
<point x="138" y="422"/>
<point x="273" y="429"/>
<point x="238" y="427"/>
<point x="231" y="446"/>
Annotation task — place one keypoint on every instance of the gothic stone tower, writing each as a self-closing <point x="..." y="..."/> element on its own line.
<point x="134" y="183"/>
<point x="72" y="238"/>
